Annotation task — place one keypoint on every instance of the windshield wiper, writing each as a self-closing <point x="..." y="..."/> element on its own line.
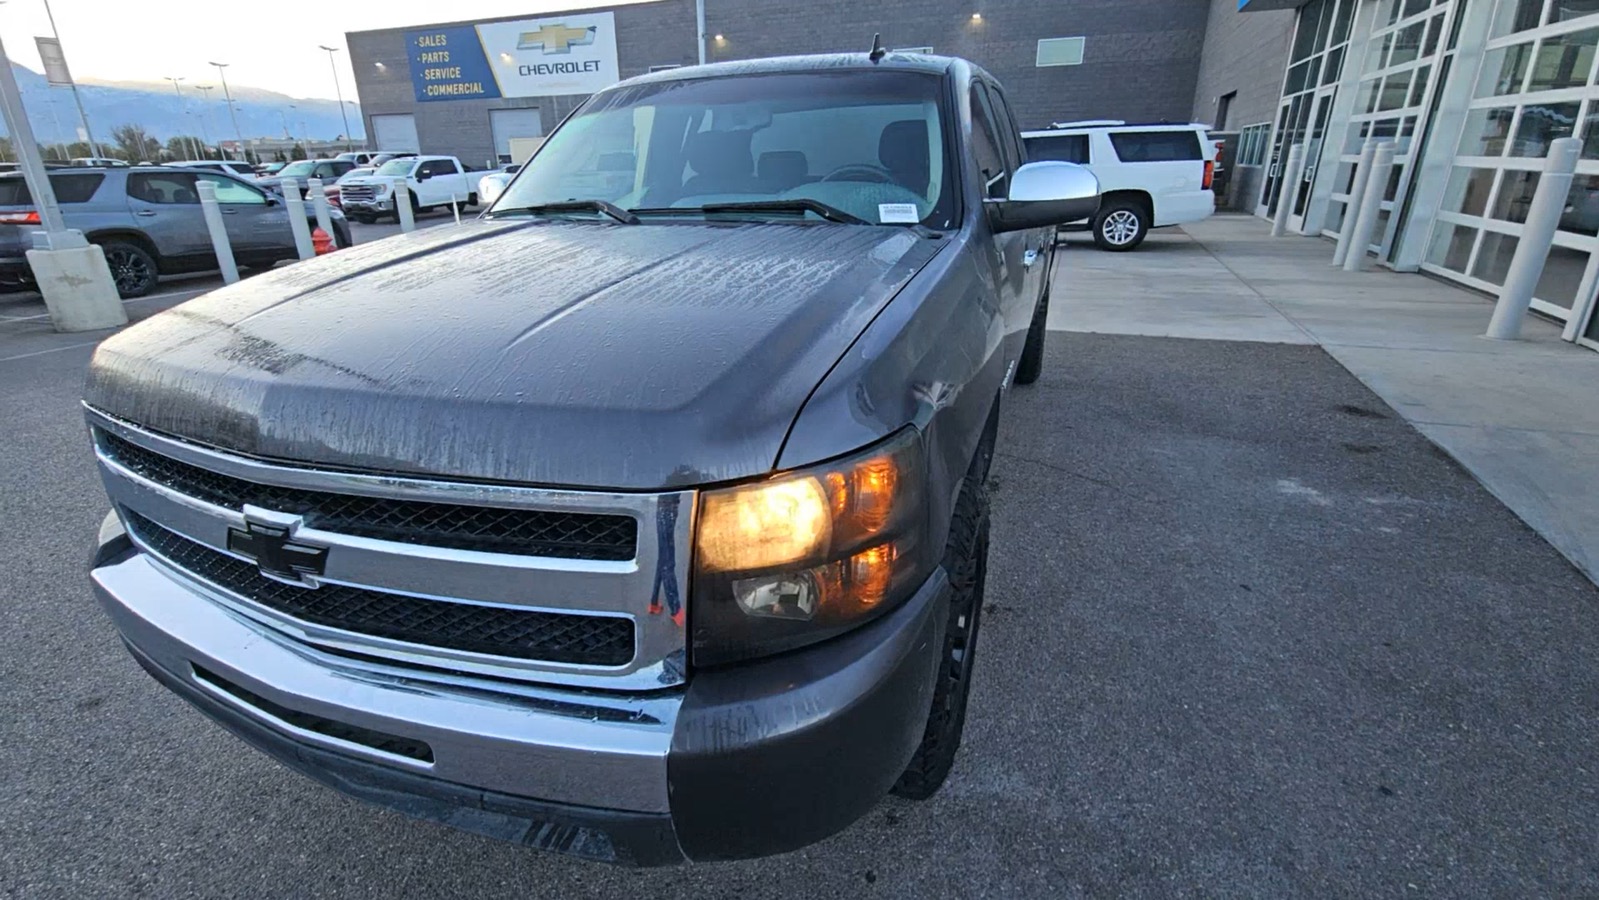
<point x="605" y="207"/>
<point x="796" y="204"/>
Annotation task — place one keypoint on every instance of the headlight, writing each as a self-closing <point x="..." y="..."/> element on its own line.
<point x="805" y="555"/>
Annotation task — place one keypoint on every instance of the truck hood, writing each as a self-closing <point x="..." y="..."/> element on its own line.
<point x="566" y="354"/>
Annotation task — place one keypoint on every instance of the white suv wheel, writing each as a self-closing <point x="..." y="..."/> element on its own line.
<point x="1120" y="227"/>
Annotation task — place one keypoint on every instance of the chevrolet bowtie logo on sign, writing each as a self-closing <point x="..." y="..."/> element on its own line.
<point x="557" y="38"/>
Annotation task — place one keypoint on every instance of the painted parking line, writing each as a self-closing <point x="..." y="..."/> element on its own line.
<point x="191" y="291"/>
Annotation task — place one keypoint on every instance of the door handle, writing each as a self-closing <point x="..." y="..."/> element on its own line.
<point x="230" y="212"/>
<point x="1028" y="258"/>
<point x="145" y="212"/>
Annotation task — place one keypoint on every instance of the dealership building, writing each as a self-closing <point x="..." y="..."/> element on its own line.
<point x="1470" y="91"/>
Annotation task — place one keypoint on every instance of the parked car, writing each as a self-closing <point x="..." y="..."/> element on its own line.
<point x="329" y="170"/>
<point x="372" y="157"/>
<point x="332" y="190"/>
<point x="271" y="168"/>
<point x="230" y="166"/>
<point x="643" y="518"/>
<point x="384" y="156"/>
<point x="149" y="223"/>
<point x="98" y="162"/>
<point x="1153" y="176"/>
<point x="490" y="186"/>
<point x="431" y="181"/>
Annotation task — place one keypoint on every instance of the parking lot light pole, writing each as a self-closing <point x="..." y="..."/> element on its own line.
<point x="205" y="130"/>
<point x="339" y="92"/>
<point x="76" y="97"/>
<point x="183" y="113"/>
<point x="231" y="111"/>
<point x="71" y="273"/>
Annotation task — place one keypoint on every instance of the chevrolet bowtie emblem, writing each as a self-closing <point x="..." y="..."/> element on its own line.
<point x="277" y="554"/>
<point x="556" y="38"/>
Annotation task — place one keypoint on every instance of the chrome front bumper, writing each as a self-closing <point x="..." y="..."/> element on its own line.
<point x="740" y="762"/>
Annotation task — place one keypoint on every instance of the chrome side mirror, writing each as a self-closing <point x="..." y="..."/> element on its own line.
<point x="1045" y="194"/>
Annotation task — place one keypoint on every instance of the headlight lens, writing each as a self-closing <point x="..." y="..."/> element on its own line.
<point x="806" y="555"/>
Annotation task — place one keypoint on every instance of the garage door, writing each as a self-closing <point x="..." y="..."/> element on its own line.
<point x="513" y="123"/>
<point x="396" y="132"/>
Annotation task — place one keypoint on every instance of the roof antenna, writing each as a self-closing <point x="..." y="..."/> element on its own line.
<point x="877" y="49"/>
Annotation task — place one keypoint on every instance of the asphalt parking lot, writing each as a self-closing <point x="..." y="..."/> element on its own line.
<point x="1248" y="635"/>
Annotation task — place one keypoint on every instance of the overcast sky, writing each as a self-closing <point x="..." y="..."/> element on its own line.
<point x="269" y="44"/>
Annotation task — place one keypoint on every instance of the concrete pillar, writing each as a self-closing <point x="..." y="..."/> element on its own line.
<point x="1537" y="235"/>
<point x="297" y="223"/>
<point x="1357" y="194"/>
<point x="319" y="204"/>
<point x="219" y="231"/>
<point x="1382" y="163"/>
<point x="1287" y="185"/>
<point x="402" y="204"/>
<point x="76" y="283"/>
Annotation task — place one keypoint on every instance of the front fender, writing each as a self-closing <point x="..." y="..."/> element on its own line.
<point x="933" y="357"/>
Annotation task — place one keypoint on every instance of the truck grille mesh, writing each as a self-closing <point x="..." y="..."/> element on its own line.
<point x="494" y="630"/>
<point x="527" y="532"/>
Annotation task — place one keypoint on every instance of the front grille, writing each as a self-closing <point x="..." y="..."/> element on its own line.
<point x="357" y="192"/>
<point x="495" y="630"/>
<point x="530" y="532"/>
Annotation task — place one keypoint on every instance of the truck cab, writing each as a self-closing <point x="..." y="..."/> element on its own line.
<point x="643" y="518"/>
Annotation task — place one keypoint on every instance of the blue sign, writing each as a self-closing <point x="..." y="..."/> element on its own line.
<point x="449" y="64"/>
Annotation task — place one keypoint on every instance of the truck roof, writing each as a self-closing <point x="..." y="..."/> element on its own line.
<point x="822" y="62"/>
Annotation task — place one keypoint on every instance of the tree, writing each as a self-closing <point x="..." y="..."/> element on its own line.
<point x="134" y="143"/>
<point x="298" y="152"/>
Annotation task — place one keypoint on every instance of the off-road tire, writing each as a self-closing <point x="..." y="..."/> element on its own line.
<point x="966" y="562"/>
<point x="1031" y="364"/>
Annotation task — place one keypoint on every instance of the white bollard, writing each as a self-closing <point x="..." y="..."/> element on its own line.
<point x="455" y="208"/>
<point x="1537" y="236"/>
<point x="1382" y="163"/>
<point x="1357" y="193"/>
<point x="1288" y="188"/>
<point x="402" y="204"/>
<point x="297" y="223"/>
<point x="319" y="205"/>
<point x="219" y="231"/>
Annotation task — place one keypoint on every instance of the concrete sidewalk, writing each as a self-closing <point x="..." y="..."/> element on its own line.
<point x="1522" y="416"/>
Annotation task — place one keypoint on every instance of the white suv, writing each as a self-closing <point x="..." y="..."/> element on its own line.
<point x="1151" y="175"/>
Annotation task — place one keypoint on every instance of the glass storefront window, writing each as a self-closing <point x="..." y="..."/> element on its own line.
<point x="1334" y="66"/>
<point x="1566" y="10"/>
<point x="1407" y="44"/>
<point x="1518" y="15"/>
<point x="1305" y="35"/>
<point x="1395" y="90"/>
<point x="1582" y="206"/>
<point x="1542" y="123"/>
<point x="1515" y="196"/>
<point x="1298" y="78"/>
<point x="1562" y="275"/>
<point x="1468" y="190"/>
<point x="1418" y="88"/>
<point x="1564" y="61"/>
<point x="1504" y="70"/>
<point x="1434" y="28"/>
<point x="1493" y="257"/>
<point x="1486" y="131"/>
<point x="1451" y="246"/>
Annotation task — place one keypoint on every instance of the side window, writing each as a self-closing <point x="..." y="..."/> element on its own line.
<point x="444" y="167"/>
<point x="1156" y="146"/>
<point x="75" y="188"/>
<point x="339" y="168"/>
<point x="425" y="170"/>
<point x="1010" y="135"/>
<point x="322" y="170"/>
<point x="162" y="187"/>
<point x="986" y="149"/>
<point x="1072" y="148"/>
<point x="230" y="191"/>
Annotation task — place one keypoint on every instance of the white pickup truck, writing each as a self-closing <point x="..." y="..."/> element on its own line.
<point x="430" y="181"/>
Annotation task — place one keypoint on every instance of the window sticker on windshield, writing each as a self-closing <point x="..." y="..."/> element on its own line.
<point x="897" y="213"/>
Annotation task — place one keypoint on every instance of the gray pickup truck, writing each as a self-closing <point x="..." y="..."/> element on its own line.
<point x="642" y="518"/>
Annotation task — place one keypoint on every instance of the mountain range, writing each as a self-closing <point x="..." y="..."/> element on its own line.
<point x="154" y="105"/>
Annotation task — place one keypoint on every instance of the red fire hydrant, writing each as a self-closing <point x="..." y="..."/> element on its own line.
<point x="321" y="242"/>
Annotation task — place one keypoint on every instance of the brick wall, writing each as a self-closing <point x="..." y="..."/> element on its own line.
<point x="1245" y="52"/>
<point x="1139" y="62"/>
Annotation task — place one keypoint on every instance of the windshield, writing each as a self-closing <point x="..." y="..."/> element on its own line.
<point x="397" y="166"/>
<point x="870" y="144"/>
<point x="357" y="173"/>
<point x="295" y="169"/>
